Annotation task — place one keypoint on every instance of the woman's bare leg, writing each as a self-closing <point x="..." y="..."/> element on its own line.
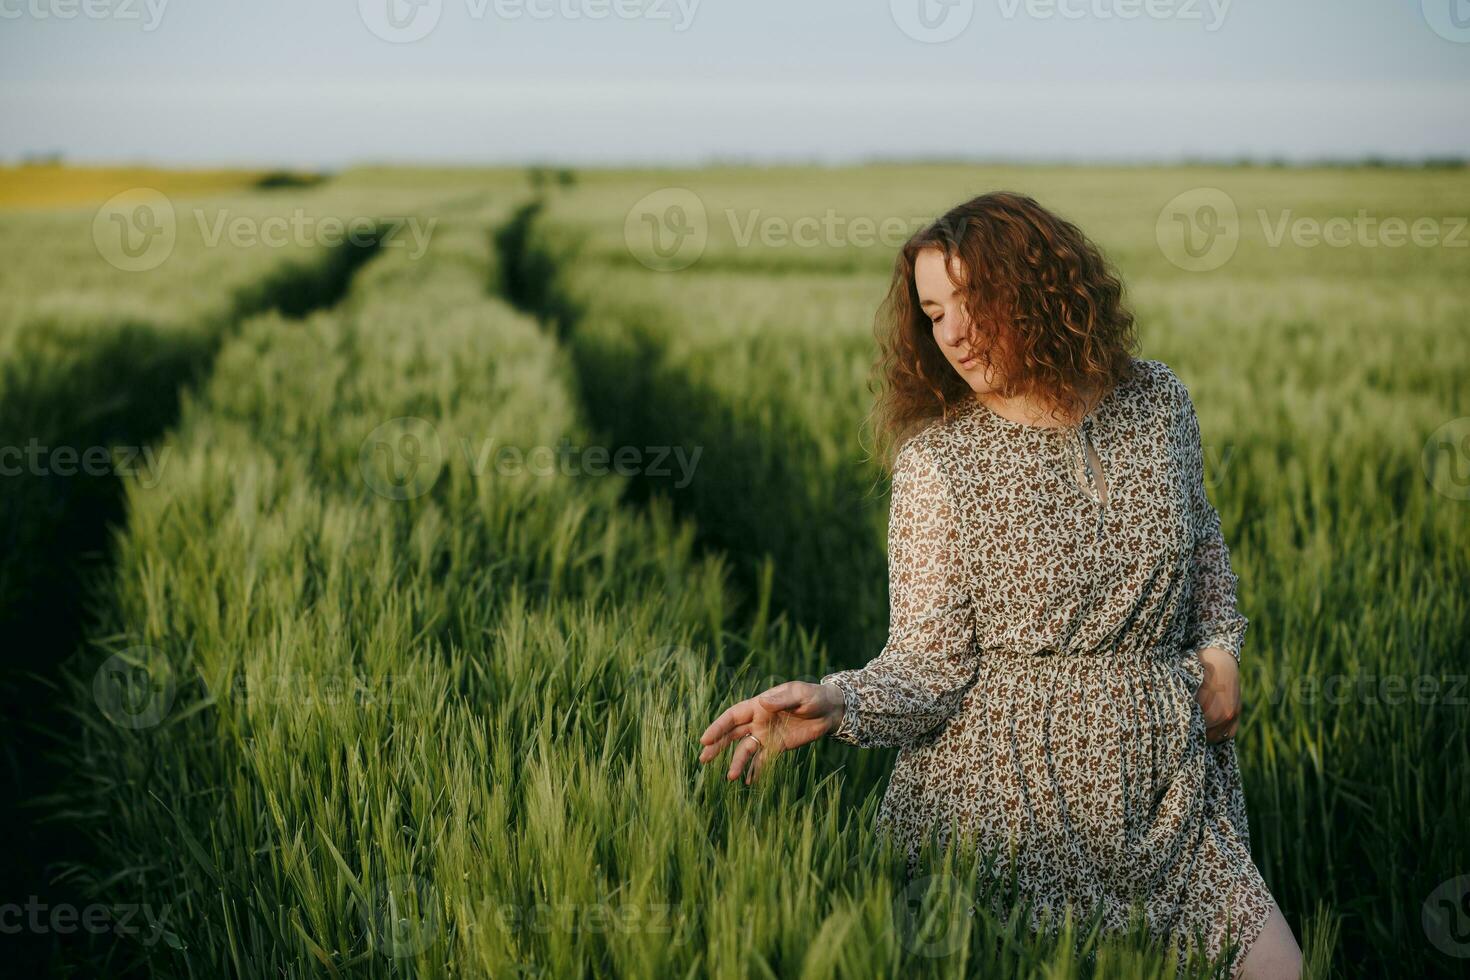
<point x="1275" y="954"/>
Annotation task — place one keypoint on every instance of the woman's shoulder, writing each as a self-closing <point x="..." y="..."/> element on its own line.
<point x="939" y="436"/>
<point x="922" y="448"/>
<point x="1152" y="372"/>
<point x="1156" y="384"/>
<point x="931" y="450"/>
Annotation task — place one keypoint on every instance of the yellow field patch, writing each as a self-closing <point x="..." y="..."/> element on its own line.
<point x="44" y="186"/>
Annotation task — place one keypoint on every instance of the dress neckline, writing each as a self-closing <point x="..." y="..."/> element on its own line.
<point x="983" y="410"/>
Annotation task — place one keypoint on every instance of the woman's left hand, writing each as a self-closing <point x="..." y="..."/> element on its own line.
<point x="1219" y="693"/>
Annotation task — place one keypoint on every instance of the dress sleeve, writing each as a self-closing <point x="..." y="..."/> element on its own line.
<point x="1214" y="619"/>
<point x="929" y="661"/>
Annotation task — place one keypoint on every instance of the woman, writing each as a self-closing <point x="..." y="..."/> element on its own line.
<point x="1061" y="671"/>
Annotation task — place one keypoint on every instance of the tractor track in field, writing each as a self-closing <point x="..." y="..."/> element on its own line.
<point x="54" y="544"/>
<point x="827" y="571"/>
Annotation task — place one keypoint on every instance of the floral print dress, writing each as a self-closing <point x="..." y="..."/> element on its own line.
<point x="1039" y="675"/>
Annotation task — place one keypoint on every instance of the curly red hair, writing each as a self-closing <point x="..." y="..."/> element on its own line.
<point x="1037" y="290"/>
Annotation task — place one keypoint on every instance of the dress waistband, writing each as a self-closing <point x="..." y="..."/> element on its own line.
<point x="1164" y="655"/>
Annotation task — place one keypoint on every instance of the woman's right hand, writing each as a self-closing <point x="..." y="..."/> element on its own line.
<point x="783" y="717"/>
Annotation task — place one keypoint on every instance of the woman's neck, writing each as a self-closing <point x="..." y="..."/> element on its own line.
<point x="1033" y="411"/>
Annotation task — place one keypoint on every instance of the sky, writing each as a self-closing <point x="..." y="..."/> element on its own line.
<point x="329" y="83"/>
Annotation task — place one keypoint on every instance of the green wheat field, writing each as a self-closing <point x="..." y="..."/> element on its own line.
<point x="377" y="641"/>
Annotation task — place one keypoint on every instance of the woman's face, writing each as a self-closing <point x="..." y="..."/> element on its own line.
<point x="954" y="331"/>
